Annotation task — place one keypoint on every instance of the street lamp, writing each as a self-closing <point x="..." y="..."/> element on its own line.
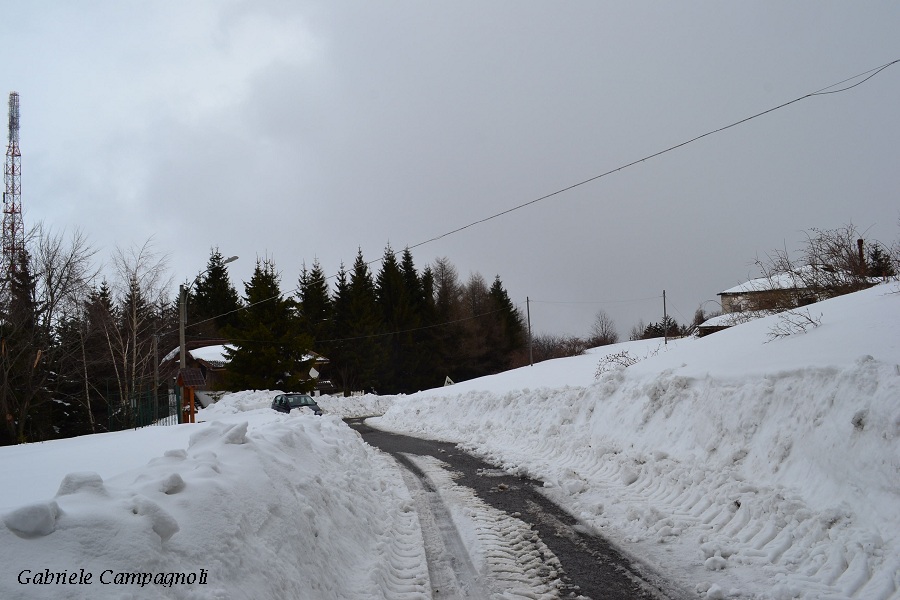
<point x="182" y="320"/>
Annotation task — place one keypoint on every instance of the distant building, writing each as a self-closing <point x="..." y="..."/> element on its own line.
<point x="212" y="361"/>
<point x="757" y="298"/>
<point x="773" y="294"/>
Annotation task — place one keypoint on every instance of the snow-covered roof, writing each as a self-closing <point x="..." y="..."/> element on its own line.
<point x="214" y="355"/>
<point x="799" y="279"/>
<point x="779" y="281"/>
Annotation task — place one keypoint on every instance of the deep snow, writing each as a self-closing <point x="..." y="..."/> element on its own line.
<point x="739" y="465"/>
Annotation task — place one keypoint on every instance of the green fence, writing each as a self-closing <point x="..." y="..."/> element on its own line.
<point x="144" y="406"/>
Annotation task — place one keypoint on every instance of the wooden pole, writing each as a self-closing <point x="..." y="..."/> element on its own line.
<point x="665" y="322"/>
<point x="530" y="349"/>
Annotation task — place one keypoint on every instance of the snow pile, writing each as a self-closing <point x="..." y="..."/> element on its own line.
<point x="233" y="404"/>
<point x="742" y="464"/>
<point x="347" y="408"/>
<point x="356" y="406"/>
<point x="266" y="506"/>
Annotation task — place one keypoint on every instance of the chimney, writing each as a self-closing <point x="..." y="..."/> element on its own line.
<point x="862" y="258"/>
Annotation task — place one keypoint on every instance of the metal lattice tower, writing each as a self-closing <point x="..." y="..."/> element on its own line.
<point x="13" y="237"/>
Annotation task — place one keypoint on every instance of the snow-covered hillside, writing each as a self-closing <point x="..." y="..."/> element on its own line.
<point x="743" y="463"/>
<point x="740" y="465"/>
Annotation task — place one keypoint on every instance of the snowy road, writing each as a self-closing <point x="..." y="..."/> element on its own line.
<point x="489" y="534"/>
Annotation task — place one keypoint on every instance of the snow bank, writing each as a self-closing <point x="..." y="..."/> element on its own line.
<point x="346" y="408"/>
<point x="267" y="506"/>
<point x="740" y="464"/>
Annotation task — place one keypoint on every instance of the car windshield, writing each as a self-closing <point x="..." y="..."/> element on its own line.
<point x="296" y="400"/>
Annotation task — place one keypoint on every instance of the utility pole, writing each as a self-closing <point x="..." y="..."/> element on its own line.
<point x="530" y="350"/>
<point x="665" y="322"/>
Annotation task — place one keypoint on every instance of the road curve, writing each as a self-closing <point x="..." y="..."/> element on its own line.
<point x="576" y="564"/>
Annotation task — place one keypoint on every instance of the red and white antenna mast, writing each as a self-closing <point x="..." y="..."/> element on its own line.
<point x="13" y="237"/>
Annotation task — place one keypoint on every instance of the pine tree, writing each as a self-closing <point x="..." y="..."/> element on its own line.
<point x="417" y="353"/>
<point x="365" y="356"/>
<point x="397" y="314"/>
<point x="22" y="361"/>
<point x="512" y="326"/>
<point x="879" y="262"/>
<point x="340" y="334"/>
<point x="269" y="351"/>
<point x="214" y="301"/>
<point x="431" y="372"/>
<point x="315" y="307"/>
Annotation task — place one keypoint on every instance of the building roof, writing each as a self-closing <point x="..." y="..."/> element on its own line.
<point x="215" y="355"/>
<point x="800" y="279"/>
<point x="779" y="281"/>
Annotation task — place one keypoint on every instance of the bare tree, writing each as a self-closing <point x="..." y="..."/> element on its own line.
<point x="637" y="332"/>
<point x="141" y="285"/>
<point x="548" y="346"/>
<point x="603" y="331"/>
<point x="831" y="262"/>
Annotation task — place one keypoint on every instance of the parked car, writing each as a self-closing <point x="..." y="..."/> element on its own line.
<point x="287" y="402"/>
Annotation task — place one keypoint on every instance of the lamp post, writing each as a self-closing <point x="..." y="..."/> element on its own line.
<point x="182" y="321"/>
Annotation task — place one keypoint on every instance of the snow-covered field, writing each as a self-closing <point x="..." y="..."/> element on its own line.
<point x="739" y="465"/>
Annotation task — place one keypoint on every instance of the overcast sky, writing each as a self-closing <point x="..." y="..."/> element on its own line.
<point x="303" y="130"/>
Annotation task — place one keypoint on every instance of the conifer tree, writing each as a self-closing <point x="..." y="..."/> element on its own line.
<point x="431" y="371"/>
<point x="315" y="307"/>
<point x="511" y="324"/>
<point x="214" y="297"/>
<point x="22" y="372"/>
<point x="396" y="307"/>
<point x="340" y="334"/>
<point x="269" y="352"/>
<point x="365" y="356"/>
<point x="417" y="353"/>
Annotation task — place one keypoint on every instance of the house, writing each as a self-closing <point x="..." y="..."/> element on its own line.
<point x="779" y="292"/>
<point x="212" y="361"/>
<point x="760" y="297"/>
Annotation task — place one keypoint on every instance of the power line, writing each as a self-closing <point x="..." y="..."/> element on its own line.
<point x="596" y="301"/>
<point x="871" y="73"/>
<point x="867" y="75"/>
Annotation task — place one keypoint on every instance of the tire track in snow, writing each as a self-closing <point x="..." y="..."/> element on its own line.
<point x="453" y="576"/>
<point x="509" y="555"/>
<point x="559" y="558"/>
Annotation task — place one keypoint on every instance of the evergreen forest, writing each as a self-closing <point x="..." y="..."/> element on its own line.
<point x="84" y="352"/>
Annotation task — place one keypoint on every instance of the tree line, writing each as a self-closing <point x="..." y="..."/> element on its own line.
<point x="80" y="352"/>
<point x="394" y="330"/>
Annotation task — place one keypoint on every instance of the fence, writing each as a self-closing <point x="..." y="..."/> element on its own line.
<point x="144" y="406"/>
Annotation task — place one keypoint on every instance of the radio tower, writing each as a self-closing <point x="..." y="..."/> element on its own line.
<point x="13" y="238"/>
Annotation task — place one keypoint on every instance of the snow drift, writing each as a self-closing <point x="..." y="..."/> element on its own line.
<point x="743" y="463"/>
<point x="294" y="507"/>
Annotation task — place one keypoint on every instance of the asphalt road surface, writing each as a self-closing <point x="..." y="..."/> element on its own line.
<point x="588" y="566"/>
